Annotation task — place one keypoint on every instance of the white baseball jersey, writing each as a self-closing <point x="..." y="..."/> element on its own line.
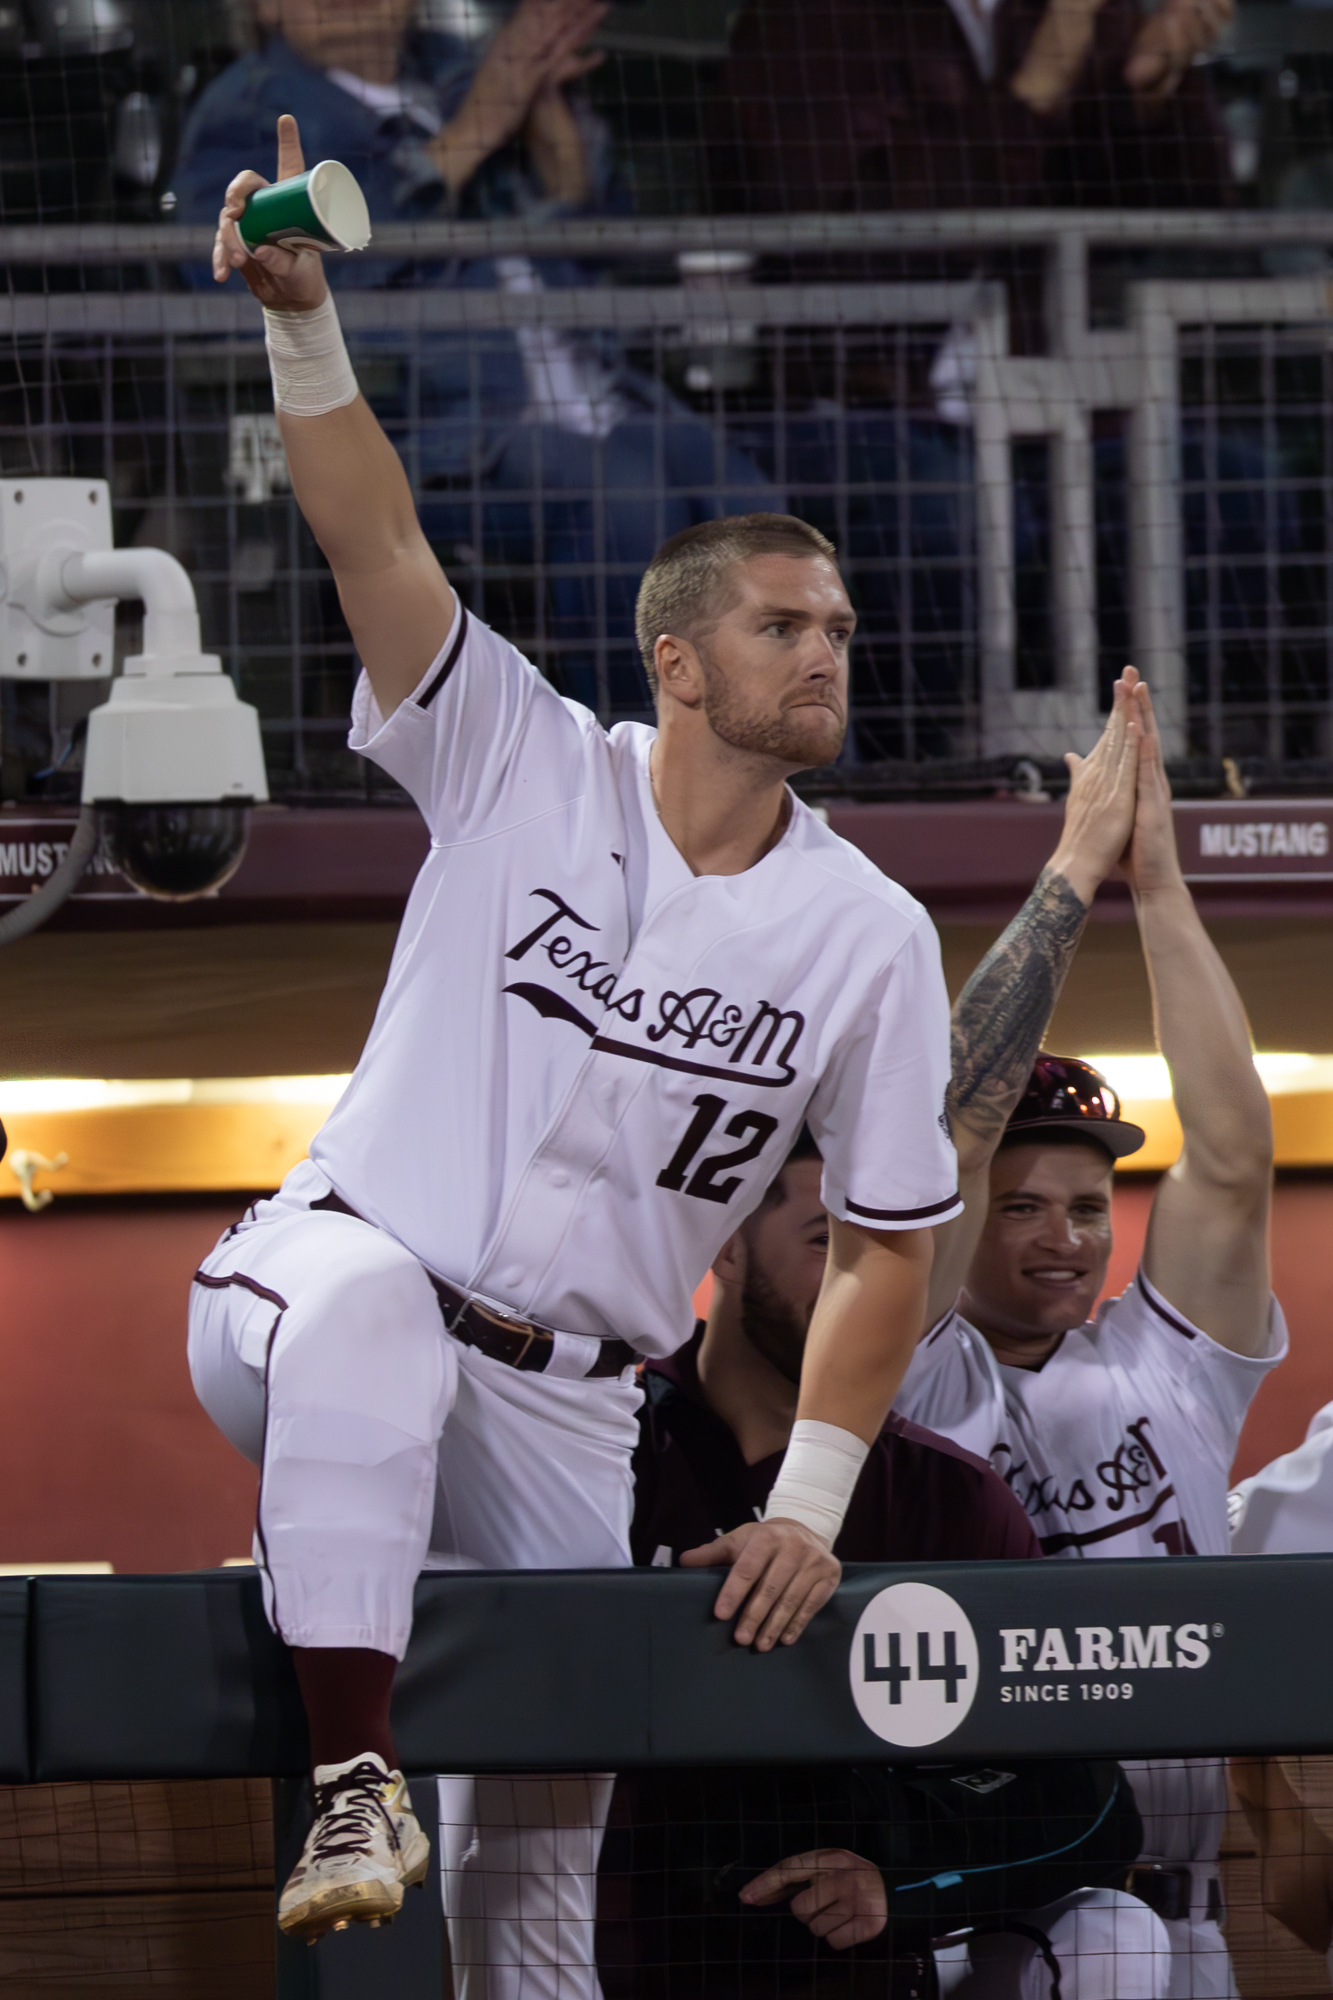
<point x="589" y="1063"/>
<point x="1287" y="1509"/>
<point x="1121" y="1443"/>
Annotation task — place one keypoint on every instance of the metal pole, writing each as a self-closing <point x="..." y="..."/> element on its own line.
<point x="1155" y="582"/>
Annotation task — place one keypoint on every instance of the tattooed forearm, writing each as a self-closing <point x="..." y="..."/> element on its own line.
<point x="1001" y="1014"/>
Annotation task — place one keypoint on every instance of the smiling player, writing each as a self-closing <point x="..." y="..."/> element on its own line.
<point x="1115" y="1426"/>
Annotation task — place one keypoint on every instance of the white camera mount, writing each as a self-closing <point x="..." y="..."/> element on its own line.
<point x="173" y="757"/>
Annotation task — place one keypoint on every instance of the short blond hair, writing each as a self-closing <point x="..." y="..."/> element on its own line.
<point x="684" y="588"/>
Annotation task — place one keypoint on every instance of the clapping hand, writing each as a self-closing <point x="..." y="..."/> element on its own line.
<point x="1099" y="811"/>
<point x="1168" y="43"/>
<point x="1153" y="861"/>
<point x="540" y="48"/>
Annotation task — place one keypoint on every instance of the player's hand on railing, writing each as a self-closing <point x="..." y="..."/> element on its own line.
<point x="845" y="1903"/>
<point x="1153" y="861"/>
<point x="285" y="280"/>
<point x="781" y="1574"/>
<point x="1099" y="811"/>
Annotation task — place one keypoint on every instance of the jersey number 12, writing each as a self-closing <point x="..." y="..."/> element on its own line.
<point x="755" y="1127"/>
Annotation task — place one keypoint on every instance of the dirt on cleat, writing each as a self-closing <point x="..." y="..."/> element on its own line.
<point x="369" y="1903"/>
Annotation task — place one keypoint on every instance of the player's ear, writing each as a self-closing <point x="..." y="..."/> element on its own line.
<point x="679" y="674"/>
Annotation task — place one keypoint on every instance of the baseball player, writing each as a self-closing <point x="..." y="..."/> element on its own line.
<point x="1287" y="1509"/>
<point x="1115" y="1427"/>
<point x="631" y="967"/>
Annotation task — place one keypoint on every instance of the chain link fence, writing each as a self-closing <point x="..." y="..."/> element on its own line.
<point x="1013" y="527"/>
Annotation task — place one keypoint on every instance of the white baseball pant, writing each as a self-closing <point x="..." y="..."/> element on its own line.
<point x="318" y="1348"/>
<point x="518" y="1875"/>
<point x="1183" y="1802"/>
<point x="1108" y="1946"/>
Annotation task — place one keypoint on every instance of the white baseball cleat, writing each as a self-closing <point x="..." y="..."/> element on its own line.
<point x="364" y="1848"/>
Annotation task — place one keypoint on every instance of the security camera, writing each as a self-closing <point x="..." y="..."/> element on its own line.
<point x="173" y="760"/>
<point x="174" y="852"/>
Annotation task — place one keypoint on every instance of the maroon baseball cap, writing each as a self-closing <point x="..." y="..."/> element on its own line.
<point x="1068" y="1096"/>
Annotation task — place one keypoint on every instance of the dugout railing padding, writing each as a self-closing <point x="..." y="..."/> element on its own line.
<point x="180" y="1676"/>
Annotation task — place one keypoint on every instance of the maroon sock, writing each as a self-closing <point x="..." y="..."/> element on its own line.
<point x="346" y="1692"/>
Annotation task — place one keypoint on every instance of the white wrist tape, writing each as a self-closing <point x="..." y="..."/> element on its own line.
<point x="308" y="361"/>
<point x="817" y="1475"/>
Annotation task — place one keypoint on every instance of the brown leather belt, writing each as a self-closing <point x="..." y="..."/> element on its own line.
<point x="519" y="1343"/>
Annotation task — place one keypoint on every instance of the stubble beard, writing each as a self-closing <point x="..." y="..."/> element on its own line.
<point x="774" y="1328"/>
<point x="779" y="737"/>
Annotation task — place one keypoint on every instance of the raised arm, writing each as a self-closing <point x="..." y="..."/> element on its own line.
<point x="877" y="1291"/>
<point x="1002" y="1013"/>
<point x="1207" y="1247"/>
<point x="347" y="477"/>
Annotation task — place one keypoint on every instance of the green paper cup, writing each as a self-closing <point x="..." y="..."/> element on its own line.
<point x="320" y="210"/>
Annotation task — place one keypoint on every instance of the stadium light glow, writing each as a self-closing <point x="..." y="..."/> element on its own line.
<point x="35" y="1097"/>
<point x="1144" y="1079"/>
<point x="211" y="1134"/>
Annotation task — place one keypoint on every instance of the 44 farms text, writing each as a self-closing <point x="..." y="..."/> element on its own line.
<point x="1099" y="1650"/>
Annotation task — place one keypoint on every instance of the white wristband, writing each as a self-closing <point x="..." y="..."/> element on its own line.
<point x="308" y="361"/>
<point x="816" y="1478"/>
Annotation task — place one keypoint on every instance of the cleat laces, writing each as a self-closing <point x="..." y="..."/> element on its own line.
<point x="346" y="1810"/>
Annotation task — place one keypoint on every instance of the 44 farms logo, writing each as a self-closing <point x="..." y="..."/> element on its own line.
<point x="915" y="1664"/>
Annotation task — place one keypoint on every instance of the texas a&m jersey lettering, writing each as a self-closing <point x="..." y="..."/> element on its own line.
<point x="754" y="1041"/>
<point x="1131" y="1486"/>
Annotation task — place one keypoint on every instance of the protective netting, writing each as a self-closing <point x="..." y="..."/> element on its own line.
<point x="167" y="1889"/>
<point x="1029" y="318"/>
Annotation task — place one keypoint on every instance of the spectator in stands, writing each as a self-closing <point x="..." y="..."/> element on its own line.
<point x="431" y="129"/>
<point x="968" y="104"/>
<point x="713" y="1430"/>
<point x="868" y="105"/>
<point x="1115" y="1426"/>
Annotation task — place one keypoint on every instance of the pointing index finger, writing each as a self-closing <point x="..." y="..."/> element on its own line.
<point x="291" y="160"/>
